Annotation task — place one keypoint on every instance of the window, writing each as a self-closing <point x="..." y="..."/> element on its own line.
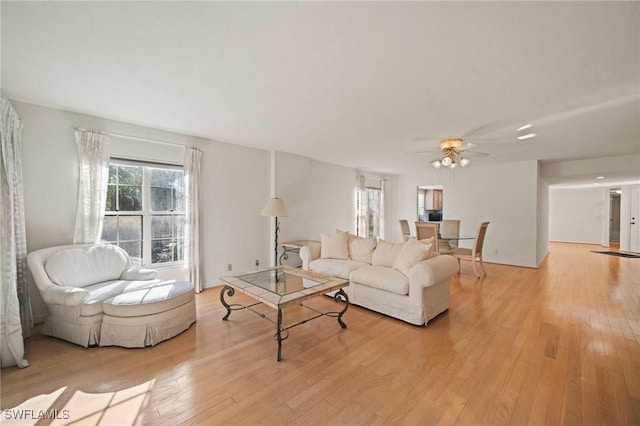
<point x="370" y="201"/>
<point x="145" y="212"/>
<point x="374" y="208"/>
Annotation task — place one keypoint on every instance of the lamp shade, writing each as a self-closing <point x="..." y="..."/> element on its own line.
<point x="275" y="208"/>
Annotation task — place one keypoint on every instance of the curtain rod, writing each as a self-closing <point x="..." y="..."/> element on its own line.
<point x="377" y="177"/>
<point x="135" y="138"/>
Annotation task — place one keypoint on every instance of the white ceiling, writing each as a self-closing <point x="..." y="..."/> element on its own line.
<point x="362" y="84"/>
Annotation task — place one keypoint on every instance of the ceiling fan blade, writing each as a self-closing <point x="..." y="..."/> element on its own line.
<point x="480" y="130"/>
<point x="430" y="151"/>
<point x="475" y="154"/>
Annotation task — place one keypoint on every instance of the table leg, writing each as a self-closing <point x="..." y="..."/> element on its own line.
<point x="230" y="291"/>
<point x="279" y="333"/>
<point x="340" y="295"/>
<point x="283" y="256"/>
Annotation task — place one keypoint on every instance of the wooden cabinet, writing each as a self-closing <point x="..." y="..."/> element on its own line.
<point x="433" y="199"/>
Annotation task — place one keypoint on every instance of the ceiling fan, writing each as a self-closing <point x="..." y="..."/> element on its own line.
<point x="454" y="152"/>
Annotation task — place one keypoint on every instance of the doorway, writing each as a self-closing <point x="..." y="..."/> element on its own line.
<point x="614" y="217"/>
<point x="430" y="202"/>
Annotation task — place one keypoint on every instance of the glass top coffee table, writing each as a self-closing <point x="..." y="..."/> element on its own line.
<point x="280" y="287"/>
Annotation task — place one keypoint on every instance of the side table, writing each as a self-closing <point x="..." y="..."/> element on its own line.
<point x="292" y="247"/>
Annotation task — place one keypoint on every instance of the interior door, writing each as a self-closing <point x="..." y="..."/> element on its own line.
<point x="634" y="234"/>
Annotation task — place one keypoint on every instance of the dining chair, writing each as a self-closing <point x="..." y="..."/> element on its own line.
<point x="426" y="230"/>
<point x="404" y="229"/>
<point x="449" y="231"/>
<point x="473" y="254"/>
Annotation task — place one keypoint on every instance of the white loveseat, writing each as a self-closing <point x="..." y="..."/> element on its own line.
<point x="407" y="281"/>
<point x="95" y="297"/>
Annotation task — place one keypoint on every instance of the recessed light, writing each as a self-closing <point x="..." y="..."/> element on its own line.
<point x="599" y="177"/>
<point x="526" y="126"/>
<point x="527" y="136"/>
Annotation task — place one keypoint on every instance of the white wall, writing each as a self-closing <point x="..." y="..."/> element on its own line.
<point x="557" y="172"/>
<point x="319" y="196"/>
<point x="505" y="195"/>
<point x="292" y="185"/>
<point x="331" y="198"/>
<point x="542" y="220"/>
<point x="235" y="186"/>
<point x="578" y="208"/>
<point x="577" y="215"/>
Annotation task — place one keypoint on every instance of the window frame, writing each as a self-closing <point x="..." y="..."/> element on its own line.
<point x="370" y="225"/>
<point x="380" y="207"/>
<point x="146" y="214"/>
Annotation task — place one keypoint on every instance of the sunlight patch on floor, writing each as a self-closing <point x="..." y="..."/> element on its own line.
<point x="121" y="407"/>
<point x="30" y="411"/>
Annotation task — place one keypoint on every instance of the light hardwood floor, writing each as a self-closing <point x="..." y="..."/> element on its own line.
<point x="555" y="345"/>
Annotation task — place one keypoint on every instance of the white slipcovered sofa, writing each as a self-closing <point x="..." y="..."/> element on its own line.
<point x="95" y="297"/>
<point x="407" y="281"/>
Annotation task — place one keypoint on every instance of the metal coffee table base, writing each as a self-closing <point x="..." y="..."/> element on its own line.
<point x="282" y="333"/>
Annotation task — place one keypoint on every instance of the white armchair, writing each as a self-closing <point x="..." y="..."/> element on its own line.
<point x="74" y="280"/>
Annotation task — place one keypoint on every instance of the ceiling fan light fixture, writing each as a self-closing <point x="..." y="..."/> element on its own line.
<point x="451" y="154"/>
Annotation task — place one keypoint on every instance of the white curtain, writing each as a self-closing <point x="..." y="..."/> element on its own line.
<point x="16" y="317"/>
<point x="382" y="209"/>
<point x="192" y="229"/>
<point x="93" y="173"/>
<point x="361" y="187"/>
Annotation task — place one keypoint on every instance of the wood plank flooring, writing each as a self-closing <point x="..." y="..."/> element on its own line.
<point x="558" y="345"/>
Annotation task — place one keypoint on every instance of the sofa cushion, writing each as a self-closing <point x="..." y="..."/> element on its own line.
<point x="163" y="296"/>
<point x="334" y="246"/>
<point x="98" y="293"/>
<point x="361" y="248"/>
<point x="383" y="278"/>
<point x="133" y="274"/>
<point x="412" y="252"/>
<point x="385" y="253"/>
<point x="335" y="267"/>
<point x="83" y="266"/>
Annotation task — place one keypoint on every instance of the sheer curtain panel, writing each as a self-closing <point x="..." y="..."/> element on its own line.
<point x="15" y="306"/>
<point x="382" y="209"/>
<point x="361" y="188"/>
<point x="192" y="229"/>
<point x="93" y="173"/>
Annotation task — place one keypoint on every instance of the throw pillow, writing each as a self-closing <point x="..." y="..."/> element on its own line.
<point x="361" y="248"/>
<point x="334" y="246"/>
<point x="428" y="241"/>
<point x="83" y="266"/>
<point x="138" y="274"/>
<point x="411" y="253"/>
<point x="386" y="253"/>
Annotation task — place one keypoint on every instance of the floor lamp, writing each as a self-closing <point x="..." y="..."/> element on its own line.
<point x="275" y="208"/>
